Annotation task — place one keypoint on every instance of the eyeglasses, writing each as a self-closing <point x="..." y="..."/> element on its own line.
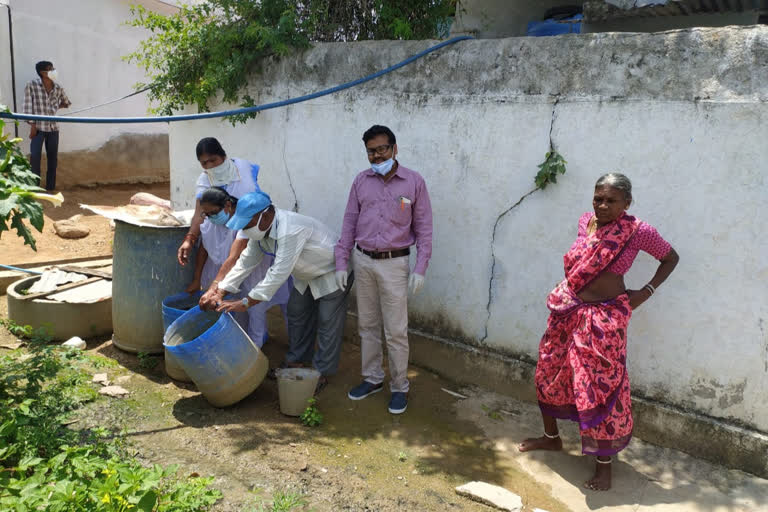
<point x="380" y="150"/>
<point x="204" y="215"/>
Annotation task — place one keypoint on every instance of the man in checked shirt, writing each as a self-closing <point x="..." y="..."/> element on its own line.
<point x="43" y="96"/>
<point x="388" y="211"/>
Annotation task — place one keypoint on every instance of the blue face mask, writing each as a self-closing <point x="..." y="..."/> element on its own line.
<point x="384" y="167"/>
<point x="220" y="218"/>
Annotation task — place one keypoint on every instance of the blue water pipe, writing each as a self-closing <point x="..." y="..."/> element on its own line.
<point x="238" y="111"/>
<point x="17" y="269"/>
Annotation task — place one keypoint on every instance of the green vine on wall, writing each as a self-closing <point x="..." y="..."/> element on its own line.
<point x="552" y="165"/>
<point x="208" y="51"/>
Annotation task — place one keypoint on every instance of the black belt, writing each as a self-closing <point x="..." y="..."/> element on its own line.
<point x="384" y="255"/>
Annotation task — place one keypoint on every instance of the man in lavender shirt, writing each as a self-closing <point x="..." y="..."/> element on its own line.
<point x="388" y="211"/>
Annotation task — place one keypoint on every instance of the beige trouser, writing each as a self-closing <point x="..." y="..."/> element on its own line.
<point x="382" y="298"/>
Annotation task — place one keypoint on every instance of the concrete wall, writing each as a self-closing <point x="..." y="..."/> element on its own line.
<point x="683" y="114"/>
<point x="86" y="41"/>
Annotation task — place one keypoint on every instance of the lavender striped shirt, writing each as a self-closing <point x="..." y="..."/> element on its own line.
<point x="387" y="215"/>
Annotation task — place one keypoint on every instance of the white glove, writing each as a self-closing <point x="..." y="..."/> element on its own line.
<point x="415" y="282"/>
<point x="341" y="279"/>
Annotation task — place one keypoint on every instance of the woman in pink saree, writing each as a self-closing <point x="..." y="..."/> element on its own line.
<point x="581" y="374"/>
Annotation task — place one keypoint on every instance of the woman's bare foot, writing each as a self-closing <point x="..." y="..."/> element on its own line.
<point x="601" y="481"/>
<point x="541" y="443"/>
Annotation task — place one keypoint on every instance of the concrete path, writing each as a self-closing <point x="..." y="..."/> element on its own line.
<point x="646" y="477"/>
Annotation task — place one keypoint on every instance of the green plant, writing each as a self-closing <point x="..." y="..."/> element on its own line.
<point x="402" y="456"/>
<point x="552" y="165"/>
<point x="311" y="416"/>
<point x="212" y="47"/>
<point x="46" y="466"/>
<point x="491" y="413"/>
<point x="19" y="193"/>
<point x="43" y="334"/>
<point x="147" y="361"/>
<point x="282" y="501"/>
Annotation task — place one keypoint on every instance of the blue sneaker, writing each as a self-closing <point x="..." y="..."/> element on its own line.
<point x="398" y="403"/>
<point x="364" y="389"/>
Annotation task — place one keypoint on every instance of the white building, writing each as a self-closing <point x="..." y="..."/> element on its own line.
<point x="85" y="40"/>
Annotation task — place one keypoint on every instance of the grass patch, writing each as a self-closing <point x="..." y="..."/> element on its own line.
<point x="46" y="466"/>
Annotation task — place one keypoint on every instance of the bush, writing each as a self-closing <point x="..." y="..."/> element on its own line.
<point x="46" y="466"/>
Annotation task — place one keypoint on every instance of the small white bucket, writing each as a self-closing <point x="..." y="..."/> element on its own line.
<point x="295" y="386"/>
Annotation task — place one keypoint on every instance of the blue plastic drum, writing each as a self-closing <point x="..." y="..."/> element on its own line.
<point x="176" y="305"/>
<point x="217" y="355"/>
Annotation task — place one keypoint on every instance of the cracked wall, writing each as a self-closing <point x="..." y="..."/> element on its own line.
<point x="683" y="114"/>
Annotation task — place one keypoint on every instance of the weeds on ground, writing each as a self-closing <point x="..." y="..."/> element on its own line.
<point x="491" y="413"/>
<point x="46" y="466"/>
<point x="311" y="416"/>
<point x="402" y="456"/>
<point x="147" y="361"/>
<point x="42" y="334"/>
<point x="282" y="501"/>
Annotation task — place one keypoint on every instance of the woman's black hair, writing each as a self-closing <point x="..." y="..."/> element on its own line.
<point x="209" y="146"/>
<point x="217" y="196"/>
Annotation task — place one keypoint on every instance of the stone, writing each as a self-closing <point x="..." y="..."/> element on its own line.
<point x="123" y="378"/>
<point x="71" y="228"/>
<point x="116" y="391"/>
<point x="76" y="342"/>
<point x="100" y="378"/>
<point x="492" y="495"/>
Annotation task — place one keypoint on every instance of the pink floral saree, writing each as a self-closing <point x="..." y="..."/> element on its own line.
<point x="581" y="374"/>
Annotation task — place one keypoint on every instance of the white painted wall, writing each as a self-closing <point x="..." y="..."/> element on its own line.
<point x="85" y="40"/>
<point x="476" y="120"/>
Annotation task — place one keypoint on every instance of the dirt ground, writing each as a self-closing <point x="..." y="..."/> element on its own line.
<point x="50" y="247"/>
<point x="360" y="459"/>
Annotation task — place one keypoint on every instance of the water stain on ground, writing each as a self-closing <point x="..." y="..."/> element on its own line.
<point x="362" y="458"/>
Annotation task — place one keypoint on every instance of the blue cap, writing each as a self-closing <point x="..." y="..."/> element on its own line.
<point x="248" y="206"/>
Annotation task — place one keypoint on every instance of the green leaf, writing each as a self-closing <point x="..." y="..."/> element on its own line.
<point x="147" y="502"/>
<point x="22" y="230"/>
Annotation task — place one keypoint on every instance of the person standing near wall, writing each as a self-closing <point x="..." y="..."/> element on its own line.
<point x="388" y="211"/>
<point x="43" y="97"/>
<point x="581" y="374"/>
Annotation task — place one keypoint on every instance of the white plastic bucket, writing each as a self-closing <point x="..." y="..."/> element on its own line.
<point x="295" y="386"/>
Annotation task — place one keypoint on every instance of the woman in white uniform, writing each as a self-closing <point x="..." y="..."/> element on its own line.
<point x="220" y="246"/>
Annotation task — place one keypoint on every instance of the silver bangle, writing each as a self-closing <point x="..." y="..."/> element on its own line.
<point x="650" y="288"/>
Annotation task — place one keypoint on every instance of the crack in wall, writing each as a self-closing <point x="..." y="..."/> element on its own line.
<point x="502" y="215"/>
<point x="290" y="181"/>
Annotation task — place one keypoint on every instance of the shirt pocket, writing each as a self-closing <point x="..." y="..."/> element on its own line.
<point x="401" y="211"/>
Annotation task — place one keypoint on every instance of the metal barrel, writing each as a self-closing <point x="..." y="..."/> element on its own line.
<point x="144" y="272"/>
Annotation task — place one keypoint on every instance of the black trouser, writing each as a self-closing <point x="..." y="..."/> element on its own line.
<point x="51" y="140"/>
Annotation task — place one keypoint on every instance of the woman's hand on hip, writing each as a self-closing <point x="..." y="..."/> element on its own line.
<point x="637" y="297"/>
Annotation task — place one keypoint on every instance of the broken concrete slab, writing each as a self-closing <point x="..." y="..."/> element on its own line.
<point x="116" y="391"/>
<point x="100" y="378"/>
<point x="492" y="495"/>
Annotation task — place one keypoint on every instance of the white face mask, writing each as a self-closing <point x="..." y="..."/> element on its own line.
<point x="384" y="167"/>
<point x="53" y="74"/>
<point x="222" y="174"/>
<point x="255" y="233"/>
